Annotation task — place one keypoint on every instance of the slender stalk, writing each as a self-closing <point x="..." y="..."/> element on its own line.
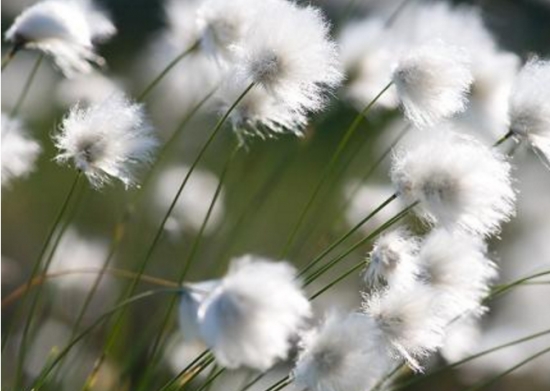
<point x="27" y="86"/>
<point x="42" y="378"/>
<point x="253" y="381"/>
<point x="380" y="383"/>
<point x="34" y="272"/>
<point x="211" y="379"/>
<point x="116" y="272"/>
<point x="486" y="383"/>
<point x="347" y="235"/>
<point x="165" y="71"/>
<point x="503" y="138"/>
<point x="275" y="386"/>
<point x="420" y="379"/>
<point x="316" y="274"/>
<point x="329" y="168"/>
<point x="118" y="322"/>
<point x="9" y="56"/>
<point x="204" y="358"/>
<point x="189" y="261"/>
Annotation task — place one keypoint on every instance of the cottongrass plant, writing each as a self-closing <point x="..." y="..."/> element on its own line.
<point x="420" y="245"/>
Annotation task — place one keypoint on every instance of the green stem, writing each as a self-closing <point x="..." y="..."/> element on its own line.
<point x="486" y="383"/>
<point x="27" y="86"/>
<point x="211" y="379"/>
<point x="165" y="71"/>
<point x="380" y="383"/>
<point x="329" y="168"/>
<point x="34" y="272"/>
<point x="118" y="322"/>
<point x="189" y="261"/>
<point x="42" y="378"/>
<point x="347" y="235"/>
<point x="9" y="56"/>
<point x="420" y="379"/>
<point x="503" y="138"/>
<point x="198" y="362"/>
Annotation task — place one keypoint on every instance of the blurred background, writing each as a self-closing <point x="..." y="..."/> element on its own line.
<point x="266" y="188"/>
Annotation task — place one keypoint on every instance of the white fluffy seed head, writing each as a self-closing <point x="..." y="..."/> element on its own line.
<point x="456" y="265"/>
<point x="66" y="30"/>
<point x="459" y="182"/>
<point x="407" y="320"/>
<point x="106" y="140"/>
<point x="530" y="106"/>
<point x="19" y="152"/>
<point x="249" y="318"/>
<point x="288" y="54"/>
<point x="342" y="354"/>
<point x="432" y="82"/>
<point x="391" y="260"/>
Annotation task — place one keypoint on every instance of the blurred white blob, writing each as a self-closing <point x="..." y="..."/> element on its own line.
<point x="249" y="317"/>
<point x="87" y="89"/>
<point x="193" y="203"/>
<point x="106" y="140"/>
<point x="461" y="339"/>
<point x="64" y="29"/>
<point x="459" y="182"/>
<point x="19" y="152"/>
<point x="407" y="320"/>
<point x="392" y="261"/>
<point x="455" y="265"/>
<point x="344" y="353"/>
<point x="432" y="81"/>
<point x="368" y="52"/>
<point x="180" y="353"/>
<point x="363" y="199"/>
<point x="530" y="107"/>
<point x="288" y="53"/>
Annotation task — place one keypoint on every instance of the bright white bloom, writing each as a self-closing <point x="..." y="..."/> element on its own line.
<point x="288" y="53"/>
<point x="461" y="339"/>
<point x="432" y="82"/>
<point x="391" y="260"/>
<point x="19" y="152"/>
<point x="459" y="182"/>
<point x="530" y="107"/>
<point x="408" y="322"/>
<point x="343" y="354"/>
<point x="106" y="140"/>
<point x="193" y="203"/>
<point x="65" y="29"/>
<point x="248" y="317"/>
<point x="191" y="298"/>
<point x="456" y="266"/>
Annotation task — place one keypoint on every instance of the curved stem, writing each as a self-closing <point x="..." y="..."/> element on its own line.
<point x="329" y="168"/>
<point x="27" y="86"/>
<point x="9" y="56"/>
<point x="165" y="71"/>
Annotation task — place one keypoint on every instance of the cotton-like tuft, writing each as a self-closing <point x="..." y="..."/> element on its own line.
<point x="456" y="266"/>
<point x="106" y="140"/>
<point x="391" y="260"/>
<point x="66" y="30"/>
<point x="288" y="54"/>
<point x="460" y="183"/>
<point x="530" y="107"/>
<point x="19" y="152"/>
<point x="409" y="324"/>
<point x="432" y="82"/>
<point x="342" y="354"/>
<point x="249" y="317"/>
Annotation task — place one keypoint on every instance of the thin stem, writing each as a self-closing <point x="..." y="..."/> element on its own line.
<point x="41" y="379"/>
<point x="486" y="383"/>
<point x="380" y="383"/>
<point x="275" y="386"/>
<point x="330" y="167"/>
<point x="165" y="71"/>
<point x="337" y="280"/>
<point x="34" y="272"/>
<point x="198" y="362"/>
<point x="27" y="86"/>
<point x="9" y="56"/>
<point x="118" y="323"/>
<point x="509" y="134"/>
<point x="393" y="17"/>
<point x="347" y="235"/>
<point x="420" y="379"/>
<point x="316" y="274"/>
<point x="41" y="279"/>
<point x="211" y="379"/>
<point x="190" y="258"/>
